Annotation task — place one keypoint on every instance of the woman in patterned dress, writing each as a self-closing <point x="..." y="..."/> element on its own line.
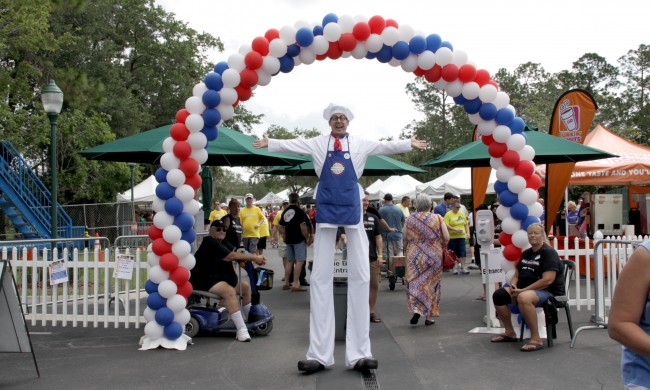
<point x="425" y="235"/>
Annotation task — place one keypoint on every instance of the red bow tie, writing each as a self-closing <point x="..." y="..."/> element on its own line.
<point x="337" y="142"/>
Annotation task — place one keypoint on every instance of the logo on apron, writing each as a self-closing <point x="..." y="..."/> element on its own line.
<point x="346" y="156"/>
<point x="337" y="168"/>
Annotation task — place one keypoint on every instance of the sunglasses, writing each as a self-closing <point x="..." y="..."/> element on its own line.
<point x="219" y="229"/>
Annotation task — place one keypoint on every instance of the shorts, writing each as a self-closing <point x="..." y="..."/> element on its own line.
<point x="230" y="279"/>
<point x="393" y="248"/>
<point x="375" y="274"/>
<point x="297" y="252"/>
<point x="261" y="243"/>
<point x="543" y="296"/>
<point x="472" y="238"/>
<point x="457" y="245"/>
<point x="250" y="244"/>
<point x="282" y="249"/>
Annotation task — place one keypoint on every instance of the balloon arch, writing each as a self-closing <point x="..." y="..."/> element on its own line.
<point x="279" y="51"/>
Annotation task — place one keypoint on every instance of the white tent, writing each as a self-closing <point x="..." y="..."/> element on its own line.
<point x="456" y="181"/>
<point x="143" y="192"/>
<point x="374" y="186"/>
<point x="284" y="194"/>
<point x="398" y="186"/>
<point x="270" y="198"/>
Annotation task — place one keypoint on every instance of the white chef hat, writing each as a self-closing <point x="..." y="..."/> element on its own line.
<point x="333" y="109"/>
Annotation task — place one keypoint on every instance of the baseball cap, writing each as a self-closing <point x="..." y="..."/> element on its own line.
<point x="285" y="202"/>
<point x="217" y="223"/>
<point x="388" y="197"/>
<point x="249" y="195"/>
<point x="224" y="205"/>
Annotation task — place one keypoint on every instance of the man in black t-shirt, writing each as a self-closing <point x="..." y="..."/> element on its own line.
<point x="371" y="225"/>
<point x="233" y="224"/>
<point x="294" y="228"/>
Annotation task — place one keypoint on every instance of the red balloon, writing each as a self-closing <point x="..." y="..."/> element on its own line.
<point x="482" y="77"/>
<point x="181" y="115"/>
<point x="194" y="181"/>
<point x="160" y="246"/>
<point x="347" y="42"/>
<point x="154" y="232"/>
<point x="525" y="168"/>
<point x="179" y="132"/>
<point x="361" y="31"/>
<point x="253" y="60"/>
<point x="168" y="261"/>
<point x="272" y="34"/>
<point x="244" y="93"/>
<point x="260" y="45"/>
<point x="334" y="52"/>
<point x="321" y="57"/>
<point x="182" y="150"/>
<point x="466" y="73"/>
<point x="487" y="140"/>
<point x="450" y="72"/>
<point x="497" y="149"/>
<point x="492" y="82"/>
<point x="248" y="78"/>
<point x="377" y="24"/>
<point x="510" y="158"/>
<point x="180" y="276"/>
<point x="189" y="166"/>
<point x="391" y="23"/>
<point x="511" y="252"/>
<point x="534" y="182"/>
<point x="432" y="75"/>
<point x="505" y="238"/>
<point x="185" y="290"/>
<point x="419" y="71"/>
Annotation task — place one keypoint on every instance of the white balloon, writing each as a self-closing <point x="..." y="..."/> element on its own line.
<point x="158" y="204"/>
<point x="226" y="110"/>
<point x="154" y="330"/>
<point x="475" y="118"/>
<point x="307" y="56"/>
<point x="194" y="123"/>
<point x="332" y="32"/>
<point x="288" y="35"/>
<point x="168" y="144"/>
<point x="410" y="63"/>
<point x="374" y="43"/>
<point x="153" y="259"/>
<point x="184" y="193"/>
<point x="513" y="109"/>
<point x="516" y="142"/>
<point x="346" y="22"/>
<point x="440" y="84"/>
<point x="503" y="212"/>
<point x="161" y="220"/>
<point x="236" y="62"/>
<point x="263" y="78"/>
<point x="172" y="234"/>
<point x="488" y="93"/>
<point x="487" y="127"/>
<point x="501" y="134"/>
<point x="188" y="262"/>
<point x="471" y="90"/>
<point x="520" y="239"/>
<point x="230" y="78"/>
<point x="444" y="56"/>
<point x="459" y="58"/>
<point x="192" y="207"/>
<point x="536" y="210"/>
<point x="181" y="248"/>
<point x="176" y="303"/>
<point x="454" y="88"/>
<point x="359" y="52"/>
<point x="199" y="89"/>
<point x="169" y="161"/>
<point x="167" y="289"/>
<point x="300" y="24"/>
<point x="504" y="174"/>
<point x="394" y="62"/>
<point x="510" y="225"/>
<point x="426" y="60"/>
<point x="197" y="140"/>
<point x="516" y="184"/>
<point x="182" y="317"/>
<point x="527" y="153"/>
<point x="528" y="196"/>
<point x="194" y="105"/>
<point x="277" y="48"/>
<point x="389" y="36"/>
<point x="495" y="163"/>
<point x="200" y="155"/>
<point x="296" y="60"/>
<point x="157" y="274"/>
<point x="149" y="314"/>
<point x="405" y="33"/>
<point x="175" y="177"/>
<point x="320" y="45"/>
<point x="508" y="268"/>
<point x="501" y="100"/>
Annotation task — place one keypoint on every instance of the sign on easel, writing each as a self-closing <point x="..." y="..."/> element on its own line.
<point x="12" y="321"/>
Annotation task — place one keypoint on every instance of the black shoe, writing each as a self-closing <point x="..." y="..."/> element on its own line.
<point x="429" y="322"/>
<point x="366" y="364"/>
<point x="304" y="283"/>
<point x="310" y="366"/>
<point x="415" y="319"/>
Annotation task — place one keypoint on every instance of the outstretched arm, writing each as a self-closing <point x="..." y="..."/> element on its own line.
<point x="261" y="143"/>
<point x="418" y="144"/>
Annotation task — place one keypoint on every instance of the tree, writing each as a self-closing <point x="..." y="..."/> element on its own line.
<point x="635" y="70"/>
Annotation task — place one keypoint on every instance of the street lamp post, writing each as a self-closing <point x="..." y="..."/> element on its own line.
<point x="131" y="166"/>
<point x="52" y="99"/>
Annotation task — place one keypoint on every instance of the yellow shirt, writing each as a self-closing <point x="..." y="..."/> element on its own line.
<point x="264" y="228"/>
<point x="456" y="220"/>
<point x="276" y="222"/>
<point x="216" y="215"/>
<point x="249" y="217"/>
<point x="405" y="210"/>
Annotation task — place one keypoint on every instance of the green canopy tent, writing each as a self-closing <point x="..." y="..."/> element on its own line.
<point x="375" y="166"/>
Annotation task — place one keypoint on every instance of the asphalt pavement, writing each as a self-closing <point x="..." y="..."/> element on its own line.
<point x="442" y="356"/>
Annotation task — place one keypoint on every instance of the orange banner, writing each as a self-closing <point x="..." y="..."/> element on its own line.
<point x="572" y="116"/>
<point x="480" y="180"/>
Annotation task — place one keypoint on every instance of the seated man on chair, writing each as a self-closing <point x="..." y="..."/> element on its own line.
<point x="214" y="272"/>
<point x="537" y="278"/>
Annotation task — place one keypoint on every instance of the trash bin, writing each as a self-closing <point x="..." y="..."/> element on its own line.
<point x="340" y="307"/>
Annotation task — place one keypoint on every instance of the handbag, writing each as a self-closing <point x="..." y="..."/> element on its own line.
<point x="449" y="258"/>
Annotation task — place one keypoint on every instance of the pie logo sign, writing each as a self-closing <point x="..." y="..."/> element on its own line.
<point x="337" y="168"/>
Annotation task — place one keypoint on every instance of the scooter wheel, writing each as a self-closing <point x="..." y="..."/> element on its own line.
<point x="264" y="329"/>
<point x="192" y="328"/>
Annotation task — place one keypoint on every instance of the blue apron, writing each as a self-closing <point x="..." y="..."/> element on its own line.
<point x="337" y="198"/>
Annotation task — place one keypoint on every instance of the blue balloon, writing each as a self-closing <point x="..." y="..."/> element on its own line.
<point x="507" y="198"/>
<point x="448" y="45"/>
<point x="286" y="63"/>
<point x="165" y="190"/>
<point x="213" y="81"/>
<point x="385" y="54"/>
<point x="211" y="133"/>
<point x="161" y="175"/>
<point x="417" y="44"/>
<point x="164" y="316"/>
<point x="318" y="30"/>
<point x="517" y="125"/>
<point x="211" y="117"/>
<point x="184" y="221"/>
<point x="500" y="186"/>
<point x="371" y="56"/>
<point x="504" y="116"/>
<point x="150" y="287"/>
<point x="293" y="50"/>
<point x="304" y="36"/>
<point x="433" y="42"/>
<point x="220" y="67"/>
<point x="401" y="50"/>
<point x="330" y="18"/>
<point x="156" y="301"/>
<point x="472" y="106"/>
<point x="519" y="211"/>
<point x="460" y="99"/>
<point x="173" y="206"/>
<point x="173" y="331"/>
<point x="514" y="309"/>
<point x="488" y="111"/>
<point x="188" y="235"/>
<point x="529" y="221"/>
<point x="211" y="98"/>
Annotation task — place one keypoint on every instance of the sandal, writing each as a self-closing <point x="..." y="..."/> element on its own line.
<point x="531" y="347"/>
<point x="502" y="338"/>
<point x="375" y="318"/>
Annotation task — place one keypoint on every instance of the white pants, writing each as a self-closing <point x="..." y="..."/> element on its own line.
<point x="321" y="321"/>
